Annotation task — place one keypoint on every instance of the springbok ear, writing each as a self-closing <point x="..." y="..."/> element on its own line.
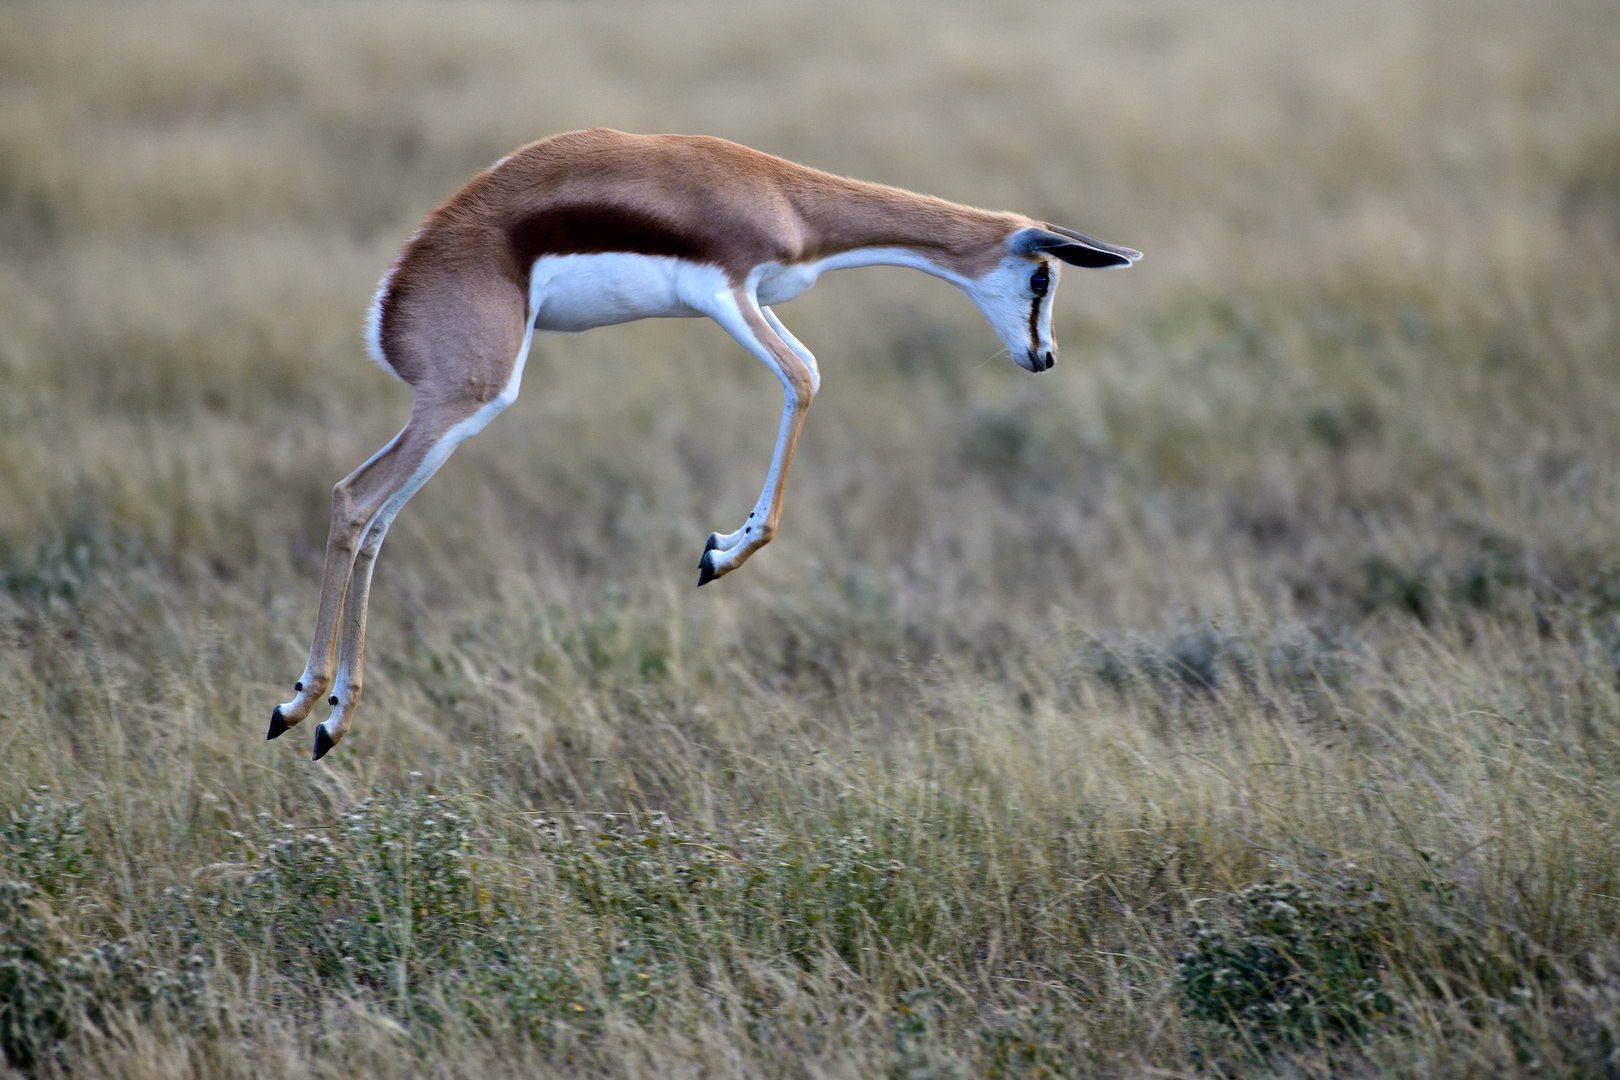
<point x="1076" y="249"/>
<point x="1092" y="242"/>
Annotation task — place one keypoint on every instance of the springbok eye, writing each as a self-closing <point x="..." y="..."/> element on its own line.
<point x="1038" y="281"/>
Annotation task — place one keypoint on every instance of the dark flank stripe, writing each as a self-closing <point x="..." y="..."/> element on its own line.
<point x="595" y="230"/>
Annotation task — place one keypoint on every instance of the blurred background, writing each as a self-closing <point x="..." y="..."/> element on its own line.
<point x="1331" y="474"/>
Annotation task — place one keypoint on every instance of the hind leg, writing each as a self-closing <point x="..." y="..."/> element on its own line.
<point x="351" y="647"/>
<point x="351" y="652"/>
<point x="364" y="504"/>
<point x="465" y="361"/>
<point x="352" y="637"/>
<point x="405" y="463"/>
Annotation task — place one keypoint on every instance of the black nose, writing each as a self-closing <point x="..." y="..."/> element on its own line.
<point x="1051" y="360"/>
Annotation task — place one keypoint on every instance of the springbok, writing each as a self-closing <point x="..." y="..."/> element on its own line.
<point x="593" y="228"/>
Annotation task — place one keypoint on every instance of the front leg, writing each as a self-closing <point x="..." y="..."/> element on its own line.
<point x="796" y="345"/>
<point x="743" y="318"/>
<point x="723" y="554"/>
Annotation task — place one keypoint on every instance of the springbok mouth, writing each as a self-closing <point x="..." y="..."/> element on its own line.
<point x="1041" y="362"/>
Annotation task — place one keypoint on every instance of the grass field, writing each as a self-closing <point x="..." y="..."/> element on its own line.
<point x="1238" y="698"/>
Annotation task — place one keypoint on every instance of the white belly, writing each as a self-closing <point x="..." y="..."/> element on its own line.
<point x="578" y="292"/>
<point x="778" y="284"/>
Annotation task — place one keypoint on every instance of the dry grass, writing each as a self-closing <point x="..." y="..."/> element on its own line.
<point x="1308" y="552"/>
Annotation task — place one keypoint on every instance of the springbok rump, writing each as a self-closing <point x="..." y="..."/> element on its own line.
<point x="593" y="228"/>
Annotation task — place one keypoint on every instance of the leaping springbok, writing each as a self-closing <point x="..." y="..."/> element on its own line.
<point x="593" y="228"/>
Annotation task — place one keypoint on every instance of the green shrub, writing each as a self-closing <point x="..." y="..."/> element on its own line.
<point x="679" y="892"/>
<point x="44" y="843"/>
<point x="388" y="902"/>
<point x="53" y="990"/>
<point x="56" y="567"/>
<point x="1025" y="1043"/>
<point x="382" y="896"/>
<point x="516" y="984"/>
<point x="1201" y="657"/>
<point x="1482" y="575"/>
<point x="916" y="1050"/>
<point x="1291" y="962"/>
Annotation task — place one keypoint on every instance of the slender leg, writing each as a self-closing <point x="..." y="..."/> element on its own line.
<point x="356" y="501"/>
<point x="351" y="650"/>
<point x="797" y="346"/>
<point x="368" y="497"/>
<point x="352" y="630"/>
<point x="465" y="364"/>
<point x="754" y="327"/>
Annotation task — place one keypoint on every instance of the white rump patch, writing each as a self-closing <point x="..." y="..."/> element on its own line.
<point x="374" y="324"/>
<point x="374" y="312"/>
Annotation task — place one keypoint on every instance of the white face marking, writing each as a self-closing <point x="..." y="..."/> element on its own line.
<point x="1006" y="299"/>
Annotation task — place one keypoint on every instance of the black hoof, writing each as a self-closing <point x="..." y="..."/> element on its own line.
<point x="705" y="570"/>
<point x="714" y="542"/>
<point x="323" y="743"/>
<point x="277" y="725"/>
